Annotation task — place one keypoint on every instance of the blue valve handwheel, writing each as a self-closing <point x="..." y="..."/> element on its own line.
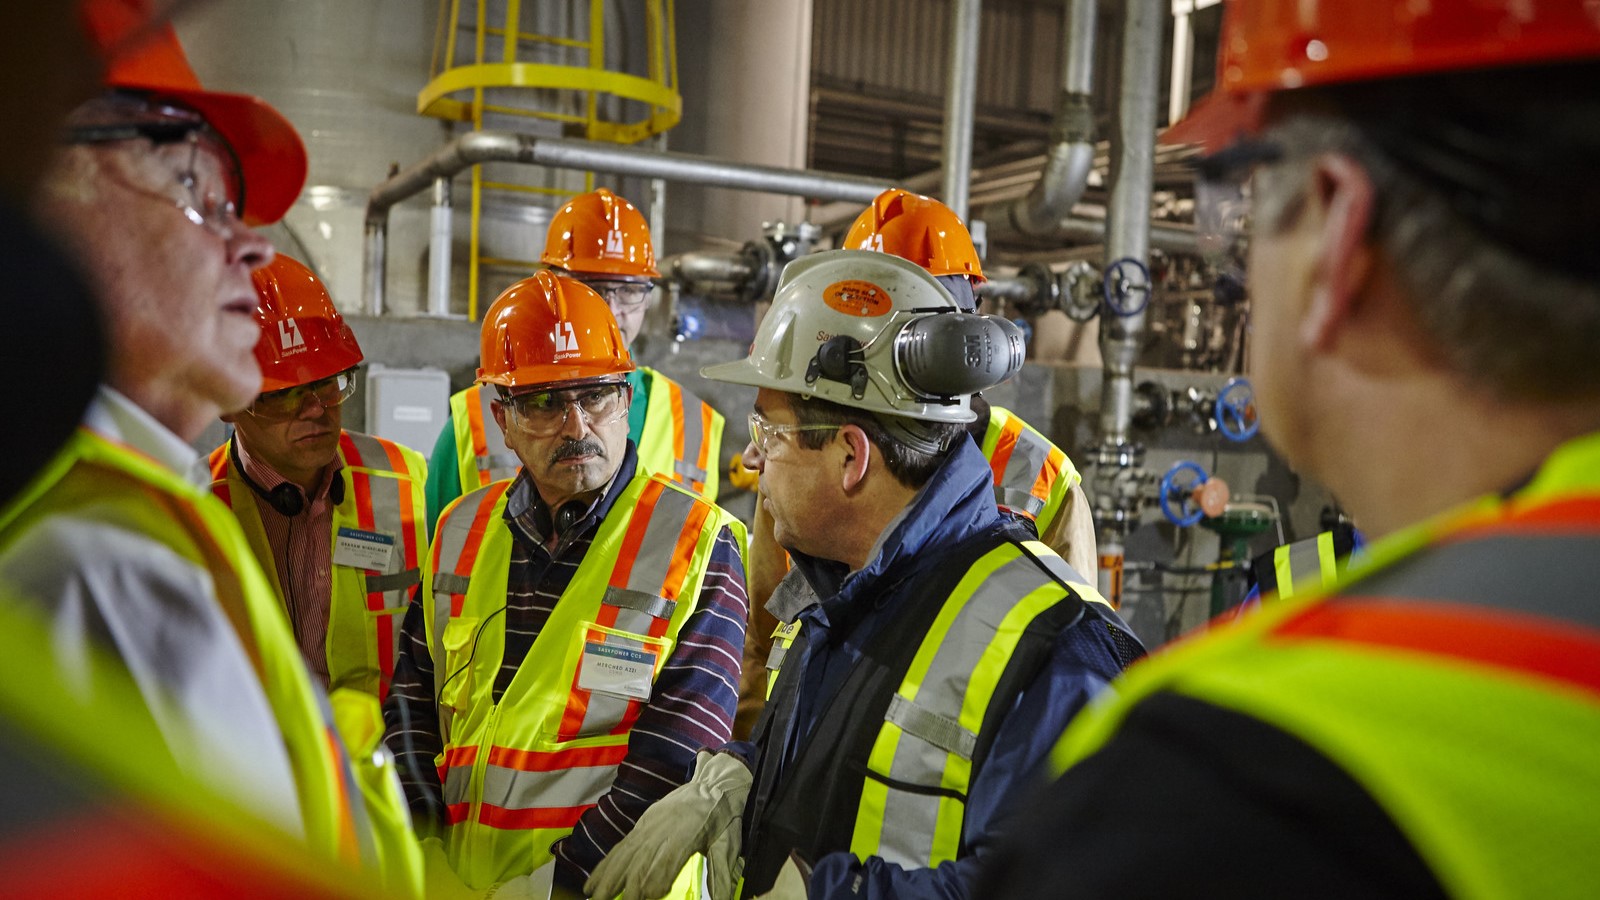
<point x="1183" y="494"/>
<point x="1235" y="412"/>
<point x="1125" y="280"/>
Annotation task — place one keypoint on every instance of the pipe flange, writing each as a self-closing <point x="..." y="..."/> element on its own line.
<point x="1043" y="292"/>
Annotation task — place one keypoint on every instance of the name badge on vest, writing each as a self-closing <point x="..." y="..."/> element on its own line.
<point x="371" y="550"/>
<point x="616" y="669"/>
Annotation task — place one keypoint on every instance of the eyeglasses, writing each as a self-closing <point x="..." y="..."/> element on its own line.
<point x="212" y="208"/>
<point x="626" y="295"/>
<point x="544" y="413"/>
<point x="763" y="432"/>
<point x="290" y="402"/>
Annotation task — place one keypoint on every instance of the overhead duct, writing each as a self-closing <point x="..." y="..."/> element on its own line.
<point x="1071" y="155"/>
<point x="478" y="147"/>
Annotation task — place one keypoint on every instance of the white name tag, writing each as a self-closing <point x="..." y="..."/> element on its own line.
<point x="371" y="550"/>
<point x="617" y="670"/>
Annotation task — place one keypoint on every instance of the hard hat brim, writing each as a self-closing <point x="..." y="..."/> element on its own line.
<point x="1218" y="120"/>
<point x="272" y="158"/>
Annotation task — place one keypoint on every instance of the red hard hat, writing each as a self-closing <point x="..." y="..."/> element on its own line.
<point x="1277" y="45"/>
<point x="271" y="156"/>
<point x="550" y="329"/>
<point x="599" y="233"/>
<point x="303" y="337"/>
<point x="917" y="228"/>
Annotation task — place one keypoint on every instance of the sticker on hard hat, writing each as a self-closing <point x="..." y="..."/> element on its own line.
<point x="857" y="298"/>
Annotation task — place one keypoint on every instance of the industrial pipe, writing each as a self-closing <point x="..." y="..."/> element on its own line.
<point x="1128" y="213"/>
<point x="567" y="153"/>
<point x="1118" y="463"/>
<point x="439" y="238"/>
<point x="706" y="269"/>
<point x="966" y="17"/>
<point x="1071" y="156"/>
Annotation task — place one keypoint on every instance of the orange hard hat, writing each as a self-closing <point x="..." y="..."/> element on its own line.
<point x="917" y="228"/>
<point x="550" y="329"/>
<point x="599" y="233"/>
<point x="303" y="337"/>
<point x="1277" y="45"/>
<point x="271" y="157"/>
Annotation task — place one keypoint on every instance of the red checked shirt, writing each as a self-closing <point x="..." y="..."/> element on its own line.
<point x="302" y="550"/>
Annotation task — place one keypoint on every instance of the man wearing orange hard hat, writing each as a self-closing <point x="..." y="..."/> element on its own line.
<point x="1418" y="184"/>
<point x="579" y="639"/>
<point x="335" y="517"/>
<point x="602" y="240"/>
<point x="117" y="541"/>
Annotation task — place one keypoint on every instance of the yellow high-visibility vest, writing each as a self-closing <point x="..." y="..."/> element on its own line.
<point x="384" y="494"/>
<point x="349" y="805"/>
<point x="518" y="774"/>
<point x="1032" y="476"/>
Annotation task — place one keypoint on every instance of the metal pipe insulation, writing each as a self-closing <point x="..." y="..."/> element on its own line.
<point x="1128" y="213"/>
<point x="966" y="17"/>
<point x="567" y="153"/>
<point x="706" y="269"/>
<point x="1071" y="155"/>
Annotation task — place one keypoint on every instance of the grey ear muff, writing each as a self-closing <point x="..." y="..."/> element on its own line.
<point x="953" y="354"/>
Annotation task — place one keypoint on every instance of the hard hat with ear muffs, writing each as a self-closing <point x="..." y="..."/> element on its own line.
<point x="875" y="332"/>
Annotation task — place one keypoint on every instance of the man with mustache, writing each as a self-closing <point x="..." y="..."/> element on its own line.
<point x="580" y="637"/>
<point x="335" y="517"/>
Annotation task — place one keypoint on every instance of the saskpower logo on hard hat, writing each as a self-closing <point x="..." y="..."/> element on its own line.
<point x="566" y="340"/>
<point x="289" y="339"/>
<point x="615" y="246"/>
<point x="857" y="298"/>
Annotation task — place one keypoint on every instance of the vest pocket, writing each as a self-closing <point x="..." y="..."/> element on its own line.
<point x="613" y="674"/>
<point x="454" y="678"/>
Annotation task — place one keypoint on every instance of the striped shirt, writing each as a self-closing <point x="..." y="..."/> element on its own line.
<point x="302" y="552"/>
<point x="691" y="705"/>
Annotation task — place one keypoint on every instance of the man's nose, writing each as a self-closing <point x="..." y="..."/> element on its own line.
<point x="574" y="421"/>
<point x="752" y="458"/>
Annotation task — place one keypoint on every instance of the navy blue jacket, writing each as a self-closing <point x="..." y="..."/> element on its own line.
<point x="955" y="507"/>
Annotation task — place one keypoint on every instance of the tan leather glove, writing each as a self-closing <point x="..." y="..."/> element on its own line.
<point x="699" y="817"/>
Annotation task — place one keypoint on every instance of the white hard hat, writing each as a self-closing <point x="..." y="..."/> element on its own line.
<point x="875" y="332"/>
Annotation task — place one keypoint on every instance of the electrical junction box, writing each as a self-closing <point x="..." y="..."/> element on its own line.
<point x="407" y="406"/>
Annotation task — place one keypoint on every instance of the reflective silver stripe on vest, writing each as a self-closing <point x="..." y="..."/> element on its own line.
<point x="395" y="581"/>
<point x="649" y="604"/>
<point x="646" y="578"/>
<point x="1022" y="501"/>
<point x="496" y="460"/>
<point x="384" y="494"/>
<point x="939" y="730"/>
<point x="1061" y="569"/>
<point x="1028" y="458"/>
<point x="556" y="789"/>
<point x="1304" y="561"/>
<point x="1546" y="575"/>
<point x="687" y="466"/>
<point x="454" y="530"/>
<point x="910" y="818"/>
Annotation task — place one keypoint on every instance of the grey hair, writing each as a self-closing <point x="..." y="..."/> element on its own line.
<point x="1509" y="324"/>
<point x="910" y="466"/>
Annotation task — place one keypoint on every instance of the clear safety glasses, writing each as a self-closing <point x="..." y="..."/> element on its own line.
<point x="764" y="434"/>
<point x="1223" y="204"/>
<point x="290" y="402"/>
<point x="208" y="189"/>
<point x="623" y="295"/>
<point x="544" y="413"/>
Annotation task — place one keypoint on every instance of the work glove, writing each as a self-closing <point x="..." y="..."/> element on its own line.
<point x="791" y="882"/>
<point x="699" y="817"/>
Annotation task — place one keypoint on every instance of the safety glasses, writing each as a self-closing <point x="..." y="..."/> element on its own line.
<point x="208" y="196"/>
<point x="623" y="295"/>
<point x="764" y="434"/>
<point x="544" y="413"/>
<point x="289" y="403"/>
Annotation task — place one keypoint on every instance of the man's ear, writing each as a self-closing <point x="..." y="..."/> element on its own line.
<point x="857" y="457"/>
<point x="1341" y="197"/>
<point x="499" y="410"/>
